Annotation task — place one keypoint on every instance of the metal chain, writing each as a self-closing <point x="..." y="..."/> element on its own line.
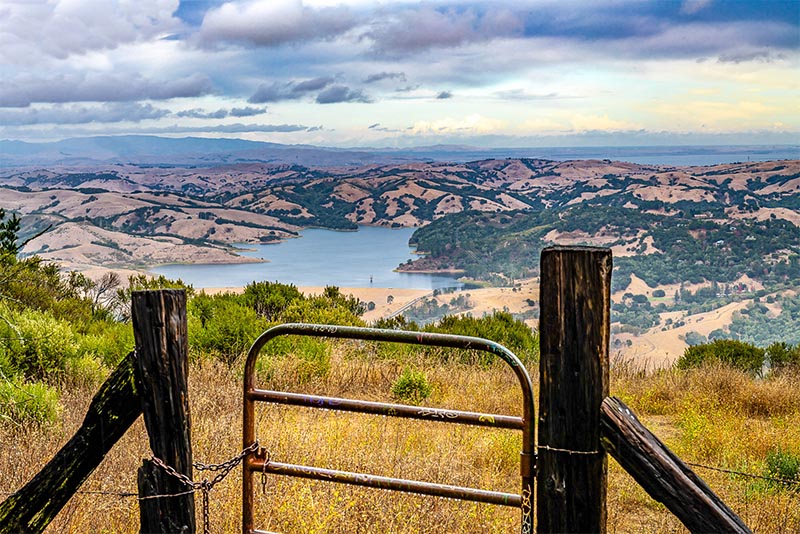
<point x="206" y="485"/>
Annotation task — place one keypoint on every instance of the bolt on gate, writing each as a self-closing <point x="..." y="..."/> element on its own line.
<point x="258" y="462"/>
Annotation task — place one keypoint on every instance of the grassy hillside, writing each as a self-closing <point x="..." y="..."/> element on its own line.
<point x="151" y="212"/>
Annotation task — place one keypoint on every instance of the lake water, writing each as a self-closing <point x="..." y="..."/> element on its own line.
<point x="320" y="257"/>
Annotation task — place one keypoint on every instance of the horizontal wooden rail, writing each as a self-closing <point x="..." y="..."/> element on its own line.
<point x="663" y="475"/>
<point x="387" y="409"/>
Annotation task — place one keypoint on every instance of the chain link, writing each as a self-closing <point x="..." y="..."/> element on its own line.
<point x="206" y="485"/>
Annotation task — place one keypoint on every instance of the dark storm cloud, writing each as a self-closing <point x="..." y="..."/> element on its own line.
<point x="74" y="114"/>
<point x="278" y="91"/>
<point x="341" y="93"/>
<point x="98" y="88"/>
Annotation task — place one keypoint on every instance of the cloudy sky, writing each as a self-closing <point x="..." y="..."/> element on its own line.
<point x="399" y="73"/>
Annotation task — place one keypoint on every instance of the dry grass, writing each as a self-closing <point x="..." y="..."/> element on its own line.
<point x="714" y="416"/>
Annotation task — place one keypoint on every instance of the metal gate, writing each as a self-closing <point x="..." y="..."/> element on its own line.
<point x="257" y="462"/>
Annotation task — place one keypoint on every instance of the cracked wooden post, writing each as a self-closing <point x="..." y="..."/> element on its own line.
<point x="159" y="327"/>
<point x="574" y="329"/>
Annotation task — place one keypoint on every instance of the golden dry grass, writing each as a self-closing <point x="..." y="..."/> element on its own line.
<point x="713" y="416"/>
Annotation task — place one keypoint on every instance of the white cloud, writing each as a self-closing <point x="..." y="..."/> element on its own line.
<point x="272" y="22"/>
<point x="31" y="29"/>
<point x="474" y="124"/>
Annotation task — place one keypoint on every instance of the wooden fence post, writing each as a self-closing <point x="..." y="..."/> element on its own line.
<point x="159" y="327"/>
<point x="574" y="334"/>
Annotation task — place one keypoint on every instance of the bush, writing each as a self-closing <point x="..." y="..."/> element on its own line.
<point x="737" y="354"/>
<point x="39" y="345"/>
<point x="784" y="465"/>
<point x="107" y="342"/>
<point x="228" y="332"/>
<point x="321" y="310"/>
<point x="314" y="360"/>
<point x="269" y="300"/>
<point x="22" y="403"/>
<point x="85" y="371"/>
<point x="782" y="356"/>
<point x="500" y="327"/>
<point x="411" y="386"/>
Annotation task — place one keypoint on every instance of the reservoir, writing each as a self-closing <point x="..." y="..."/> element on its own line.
<point x="366" y="258"/>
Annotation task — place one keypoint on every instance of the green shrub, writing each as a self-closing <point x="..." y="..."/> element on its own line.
<point x="784" y="465"/>
<point x="500" y="327"/>
<point x="85" y="371"/>
<point x="782" y="356"/>
<point x="228" y="332"/>
<point x="320" y="310"/>
<point x="40" y="344"/>
<point x="411" y="386"/>
<point x="313" y="358"/>
<point x="107" y="342"/>
<point x="269" y="300"/>
<point x="737" y="354"/>
<point x="23" y="402"/>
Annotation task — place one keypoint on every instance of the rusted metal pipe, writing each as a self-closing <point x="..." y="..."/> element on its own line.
<point x="387" y="483"/>
<point x="387" y="409"/>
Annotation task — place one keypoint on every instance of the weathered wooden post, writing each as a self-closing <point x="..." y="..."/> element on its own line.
<point x="159" y="327"/>
<point x="574" y="334"/>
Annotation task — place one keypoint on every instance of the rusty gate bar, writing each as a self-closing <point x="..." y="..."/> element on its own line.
<point x="390" y="410"/>
<point x="252" y="463"/>
<point x="389" y="483"/>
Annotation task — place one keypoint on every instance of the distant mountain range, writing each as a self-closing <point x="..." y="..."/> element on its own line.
<point x="165" y="151"/>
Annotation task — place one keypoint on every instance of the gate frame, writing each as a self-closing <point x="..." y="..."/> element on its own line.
<point x="258" y="462"/>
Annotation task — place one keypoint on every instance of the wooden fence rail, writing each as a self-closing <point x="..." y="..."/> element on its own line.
<point x="662" y="474"/>
<point x="113" y="410"/>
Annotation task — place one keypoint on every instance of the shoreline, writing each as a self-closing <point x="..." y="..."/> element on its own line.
<point x="443" y="272"/>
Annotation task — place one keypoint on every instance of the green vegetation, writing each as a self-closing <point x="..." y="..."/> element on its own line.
<point x="411" y="386"/>
<point x="757" y="325"/>
<point x="59" y="329"/>
<point x="694" y="243"/>
<point x="737" y="354"/>
<point x="783" y="466"/>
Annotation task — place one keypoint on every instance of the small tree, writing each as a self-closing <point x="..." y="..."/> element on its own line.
<point x="9" y="228"/>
